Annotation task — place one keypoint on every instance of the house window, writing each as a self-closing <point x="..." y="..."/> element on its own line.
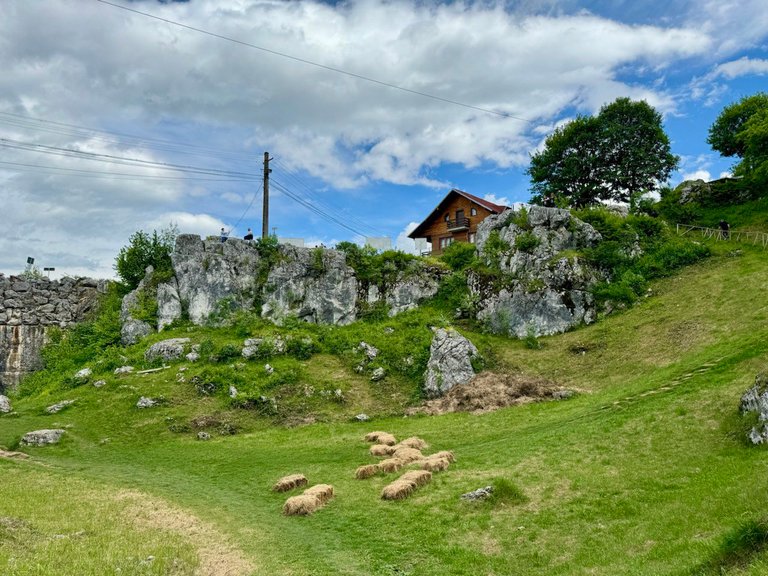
<point x="473" y="211"/>
<point x="445" y="242"/>
<point x="472" y="236"/>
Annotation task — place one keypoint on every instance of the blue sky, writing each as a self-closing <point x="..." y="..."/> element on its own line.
<point x="98" y="102"/>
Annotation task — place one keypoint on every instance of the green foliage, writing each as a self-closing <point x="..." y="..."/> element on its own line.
<point x="494" y="250"/>
<point x="144" y="250"/>
<point x="459" y="256"/>
<point x="670" y="208"/>
<point x="372" y="268"/>
<point x="531" y="341"/>
<point x="506" y="492"/>
<point x="318" y="265"/>
<point x="619" y="154"/>
<point x="527" y="242"/>
<point x="301" y="348"/>
<point x="736" y="549"/>
<point x="453" y="292"/>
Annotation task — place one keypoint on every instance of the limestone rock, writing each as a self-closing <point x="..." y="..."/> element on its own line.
<point x="203" y="436"/>
<point x="99" y="383"/>
<point x="755" y="401"/>
<point x="377" y="374"/>
<point x="83" y="375"/>
<point x="170" y="349"/>
<point x="313" y="284"/>
<point x="59" y="406"/>
<point x="133" y="329"/>
<point x="450" y="362"/>
<point x="145" y="402"/>
<point x="547" y="288"/>
<point x="5" y="404"/>
<point x="479" y="494"/>
<point x="362" y="417"/>
<point x="211" y="272"/>
<point x="123" y="370"/>
<point x="370" y="351"/>
<point x="193" y="356"/>
<point x="168" y="303"/>
<point x="42" y="437"/>
<point x="251" y="347"/>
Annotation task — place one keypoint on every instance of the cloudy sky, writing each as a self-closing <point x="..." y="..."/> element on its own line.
<point x="118" y="119"/>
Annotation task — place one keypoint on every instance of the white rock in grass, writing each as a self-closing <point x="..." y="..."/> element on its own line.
<point x="378" y="374"/>
<point x="83" y="374"/>
<point x="59" y="406"/>
<point x="145" y="402"/>
<point x="100" y="383"/>
<point x="5" y="404"/>
<point x="42" y="437"/>
<point x="123" y="370"/>
<point x="268" y="369"/>
<point x="232" y="392"/>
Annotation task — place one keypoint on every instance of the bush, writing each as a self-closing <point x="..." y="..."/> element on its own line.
<point x="145" y="250"/>
<point x="459" y="256"/>
<point x="527" y="242"/>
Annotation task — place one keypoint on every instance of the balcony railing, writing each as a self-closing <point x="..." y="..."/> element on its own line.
<point x="458" y="224"/>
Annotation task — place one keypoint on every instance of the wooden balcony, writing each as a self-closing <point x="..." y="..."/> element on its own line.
<point x="458" y="225"/>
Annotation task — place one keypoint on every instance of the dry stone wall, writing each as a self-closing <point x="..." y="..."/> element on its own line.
<point x="28" y="308"/>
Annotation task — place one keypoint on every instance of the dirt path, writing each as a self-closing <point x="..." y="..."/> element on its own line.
<point x="218" y="557"/>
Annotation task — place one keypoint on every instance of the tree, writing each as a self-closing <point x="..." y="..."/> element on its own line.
<point x="741" y="130"/>
<point x="565" y="171"/>
<point x="618" y="155"/>
<point x="146" y="250"/>
<point x="726" y="135"/>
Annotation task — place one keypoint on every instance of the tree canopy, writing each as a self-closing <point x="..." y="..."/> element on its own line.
<point x="617" y="155"/>
<point x="741" y="130"/>
<point x="144" y="250"/>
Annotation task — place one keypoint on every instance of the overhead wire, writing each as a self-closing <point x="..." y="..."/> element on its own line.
<point x="317" y="64"/>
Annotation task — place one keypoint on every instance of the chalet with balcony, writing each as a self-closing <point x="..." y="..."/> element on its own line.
<point x="455" y="220"/>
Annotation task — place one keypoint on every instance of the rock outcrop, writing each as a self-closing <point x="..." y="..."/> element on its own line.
<point x="450" y="362"/>
<point x="408" y="291"/>
<point x="133" y="329"/>
<point x="541" y="286"/>
<point x="313" y="284"/>
<point x="42" y="437"/>
<point x="166" y="350"/>
<point x="755" y="402"/>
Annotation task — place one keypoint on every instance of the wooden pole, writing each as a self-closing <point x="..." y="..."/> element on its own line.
<point x="265" y="212"/>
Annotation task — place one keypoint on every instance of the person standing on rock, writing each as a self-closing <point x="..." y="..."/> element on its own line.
<point x="224" y="235"/>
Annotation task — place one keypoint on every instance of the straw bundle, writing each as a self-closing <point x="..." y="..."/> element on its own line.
<point x="366" y="471"/>
<point x="290" y="482"/>
<point x="381" y="438"/>
<point x="414" y="442"/>
<point x="390" y="465"/>
<point x="323" y="492"/>
<point x="382" y="450"/>
<point x="447" y="454"/>
<point x="301" y="505"/>
<point x="434" y="464"/>
<point x="398" y="490"/>
<point x="408" y="455"/>
<point x="417" y="477"/>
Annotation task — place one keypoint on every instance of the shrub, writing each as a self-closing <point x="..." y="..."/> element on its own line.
<point x="459" y="256"/>
<point x="146" y="250"/>
<point x="527" y="242"/>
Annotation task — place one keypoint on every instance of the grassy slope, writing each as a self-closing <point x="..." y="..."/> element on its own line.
<point x="642" y="473"/>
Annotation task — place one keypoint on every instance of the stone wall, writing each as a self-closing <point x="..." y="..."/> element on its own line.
<point x="28" y="308"/>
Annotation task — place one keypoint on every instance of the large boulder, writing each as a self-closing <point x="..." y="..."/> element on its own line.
<point x="42" y="437"/>
<point x="168" y="303"/>
<point x="543" y="286"/>
<point x="755" y="401"/>
<point x="171" y="349"/>
<point x="410" y="289"/>
<point x="133" y="329"/>
<point x="450" y="362"/>
<point x="313" y="284"/>
<point x="208" y="274"/>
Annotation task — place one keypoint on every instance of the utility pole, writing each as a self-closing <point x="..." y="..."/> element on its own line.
<point x="265" y="214"/>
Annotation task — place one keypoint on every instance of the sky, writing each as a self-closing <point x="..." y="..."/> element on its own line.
<point x="113" y="121"/>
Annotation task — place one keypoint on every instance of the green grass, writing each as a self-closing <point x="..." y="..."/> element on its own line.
<point x="644" y="472"/>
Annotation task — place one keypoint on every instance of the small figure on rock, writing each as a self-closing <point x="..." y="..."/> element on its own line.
<point x="224" y="235"/>
<point x="248" y="235"/>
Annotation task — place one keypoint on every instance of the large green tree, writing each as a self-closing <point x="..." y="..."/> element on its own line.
<point x="741" y="130"/>
<point x="617" y="155"/>
<point x="144" y="250"/>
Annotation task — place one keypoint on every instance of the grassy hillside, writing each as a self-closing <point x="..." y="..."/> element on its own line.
<point x="644" y="471"/>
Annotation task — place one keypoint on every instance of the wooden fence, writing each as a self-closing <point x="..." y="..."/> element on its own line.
<point x="757" y="238"/>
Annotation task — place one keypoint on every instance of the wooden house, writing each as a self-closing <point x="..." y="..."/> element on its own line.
<point x="455" y="220"/>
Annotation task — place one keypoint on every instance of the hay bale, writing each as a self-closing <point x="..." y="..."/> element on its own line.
<point x="366" y="471"/>
<point x="408" y="455"/>
<point x="414" y="442"/>
<point x="390" y="465"/>
<point x="417" y="477"/>
<point x="301" y="505"/>
<point x="381" y="438"/>
<point x="290" y="482"/>
<point x="381" y="450"/>
<point x="398" y="490"/>
<point x="447" y="454"/>
<point x="434" y="464"/>
<point x="323" y="492"/>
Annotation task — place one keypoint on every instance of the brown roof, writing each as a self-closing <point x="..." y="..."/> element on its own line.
<point x="495" y="208"/>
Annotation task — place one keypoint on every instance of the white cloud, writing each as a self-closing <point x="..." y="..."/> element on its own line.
<point x="742" y="67"/>
<point x="698" y="175"/>
<point x="405" y="244"/>
<point x="503" y="201"/>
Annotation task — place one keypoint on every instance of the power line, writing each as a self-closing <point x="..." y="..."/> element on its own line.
<point x="317" y="64"/>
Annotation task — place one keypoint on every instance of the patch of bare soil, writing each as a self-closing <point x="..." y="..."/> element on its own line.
<point x="10" y="455"/>
<point x="490" y="391"/>
<point x="217" y="556"/>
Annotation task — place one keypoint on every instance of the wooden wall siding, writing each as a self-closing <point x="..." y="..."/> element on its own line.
<point x="439" y="228"/>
